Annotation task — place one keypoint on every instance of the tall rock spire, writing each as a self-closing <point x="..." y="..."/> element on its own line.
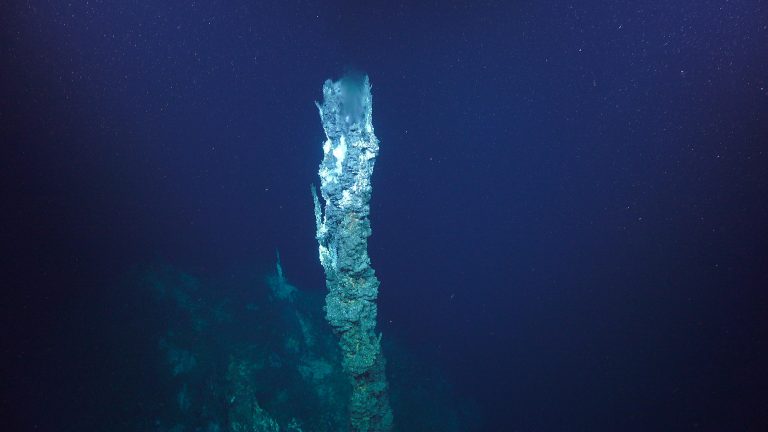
<point x="343" y="228"/>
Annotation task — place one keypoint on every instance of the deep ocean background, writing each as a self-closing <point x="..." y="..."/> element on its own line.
<point x="569" y="212"/>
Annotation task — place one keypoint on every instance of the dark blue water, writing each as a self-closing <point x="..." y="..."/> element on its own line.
<point x="569" y="208"/>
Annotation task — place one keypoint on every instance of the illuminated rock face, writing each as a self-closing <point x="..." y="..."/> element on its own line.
<point x="343" y="228"/>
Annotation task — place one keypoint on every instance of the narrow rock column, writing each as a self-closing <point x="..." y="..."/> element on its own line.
<point x="343" y="228"/>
